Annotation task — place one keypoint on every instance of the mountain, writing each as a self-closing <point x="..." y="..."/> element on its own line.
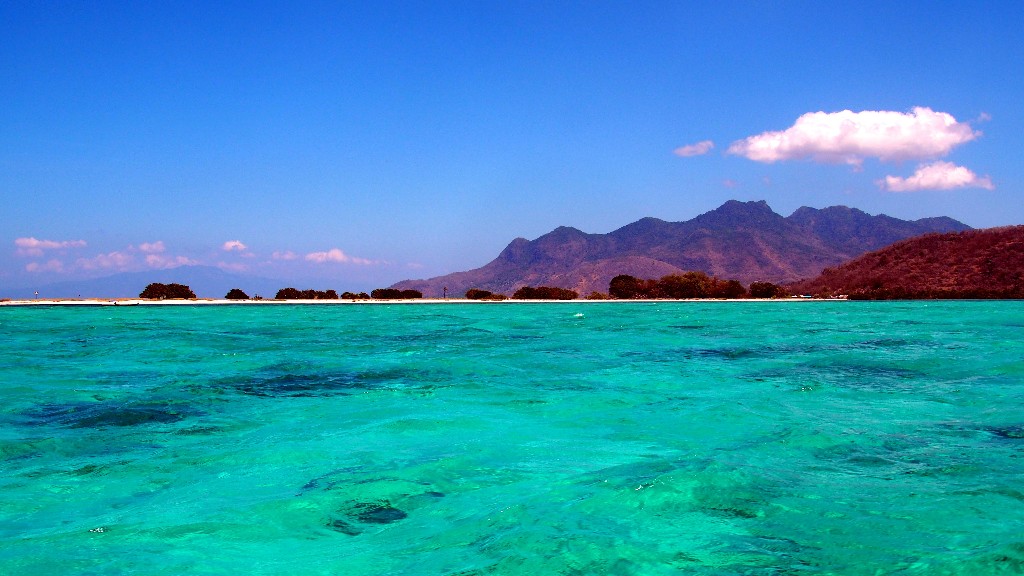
<point x="205" y="281"/>
<point x="745" y="241"/>
<point x="972" y="264"/>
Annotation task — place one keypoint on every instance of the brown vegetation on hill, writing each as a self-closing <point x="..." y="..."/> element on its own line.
<point x="972" y="264"/>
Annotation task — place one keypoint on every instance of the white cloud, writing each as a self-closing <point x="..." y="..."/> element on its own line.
<point x="730" y="183"/>
<point x="34" y="247"/>
<point x="109" y="261"/>
<point x="128" y="259"/>
<point x="936" y="176"/>
<point x="850" y="137"/>
<point x="152" y="247"/>
<point x="234" y="245"/>
<point x="697" y="149"/>
<point x="335" y="255"/>
<point x="286" y="255"/>
<point x="52" y="265"/>
<point x="162" y="262"/>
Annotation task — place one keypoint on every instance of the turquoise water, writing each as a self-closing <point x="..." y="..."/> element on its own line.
<point x="571" y="438"/>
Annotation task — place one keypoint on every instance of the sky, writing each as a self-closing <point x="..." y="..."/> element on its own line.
<point x="350" y="145"/>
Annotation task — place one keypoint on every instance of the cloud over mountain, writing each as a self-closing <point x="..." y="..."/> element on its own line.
<point x="152" y="256"/>
<point x="936" y="176"/>
<point x="53" y="265"/>
<point x="162" y="262"/>
<point x="848" y="137"/>
<point x="115" y="260"/>
<point x="34" y="247"/>
<point x="335" y="255"/>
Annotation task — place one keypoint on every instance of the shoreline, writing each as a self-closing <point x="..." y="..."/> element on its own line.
<point x="92" y="302"/>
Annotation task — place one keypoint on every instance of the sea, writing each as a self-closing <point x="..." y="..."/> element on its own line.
<point x="574" y="438"/>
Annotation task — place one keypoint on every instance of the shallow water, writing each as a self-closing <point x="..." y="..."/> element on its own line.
<point x="571" y="438"/>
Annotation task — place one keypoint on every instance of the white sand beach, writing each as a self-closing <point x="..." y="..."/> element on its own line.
<point x="267" y="302"/>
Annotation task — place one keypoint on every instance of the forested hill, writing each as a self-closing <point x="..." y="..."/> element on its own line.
<point x="972" y="264"/>
<point x="745" y="241"/>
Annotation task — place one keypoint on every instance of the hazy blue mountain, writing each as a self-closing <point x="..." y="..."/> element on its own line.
<point x="205" y="281"/>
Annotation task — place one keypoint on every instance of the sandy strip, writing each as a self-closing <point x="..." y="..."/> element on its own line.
<point x="221" y="302"/>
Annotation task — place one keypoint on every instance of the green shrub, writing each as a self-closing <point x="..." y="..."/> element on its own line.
<point x="544" y="293"/>
<point x="395" y="294"/>
<point x="236" y="294"/>
<point x="158" y="291"/>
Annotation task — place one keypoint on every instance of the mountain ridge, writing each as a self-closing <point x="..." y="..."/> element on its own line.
<point x="746" y="241"/>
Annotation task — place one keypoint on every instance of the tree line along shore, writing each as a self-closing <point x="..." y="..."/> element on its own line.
<point x="691" y="285"/>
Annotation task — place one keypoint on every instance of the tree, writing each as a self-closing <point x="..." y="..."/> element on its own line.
<point x="236" y="294"/>
<point x="692" y="284"/>
<point x="158" y="291"/>
<point x="477" y="294"/>
<point x="688" y="285"/>
<point x="650" y="289"/>
<point x="624" y="287"/>
<point x="395" y="294"/>
<point x="766" y="290"/>
<point x="293" y="294"/>
<point x="544" y="293"/>
<point x="727" y="289"/>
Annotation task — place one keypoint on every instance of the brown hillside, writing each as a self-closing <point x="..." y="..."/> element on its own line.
<point x="972" y="264"/>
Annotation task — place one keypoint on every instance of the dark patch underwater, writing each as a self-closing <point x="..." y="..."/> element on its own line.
<point x="106" y="414"/>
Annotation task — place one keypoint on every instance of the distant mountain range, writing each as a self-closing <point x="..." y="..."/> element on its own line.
<point x="745" y="241"/>
<point x="973" y="264"/>
<point x="205" y="281"/>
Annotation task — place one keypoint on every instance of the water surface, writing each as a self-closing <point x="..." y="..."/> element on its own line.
<point x="571" y="438"/>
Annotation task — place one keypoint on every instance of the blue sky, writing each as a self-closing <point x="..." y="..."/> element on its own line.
<point x="350" y="145"/>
